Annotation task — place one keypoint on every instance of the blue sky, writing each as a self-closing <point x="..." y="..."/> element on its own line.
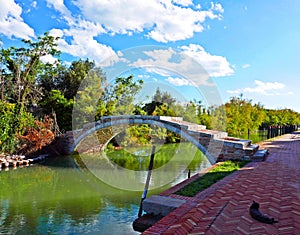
<point x="247" y="46"/>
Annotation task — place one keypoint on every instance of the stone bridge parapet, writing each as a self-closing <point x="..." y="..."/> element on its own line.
<point x="216" y="145"/>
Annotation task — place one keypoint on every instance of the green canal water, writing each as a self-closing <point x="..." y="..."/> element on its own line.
<point x="68" y="195"/>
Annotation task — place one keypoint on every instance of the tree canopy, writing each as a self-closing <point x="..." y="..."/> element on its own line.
<point x="32" y="87"/>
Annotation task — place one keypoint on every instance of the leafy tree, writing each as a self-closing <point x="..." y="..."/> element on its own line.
<point x="62" y="107"/>
<point x="89" y="98"/>
<point x="52" y="78"/>
<point x="23" y="65"/>
<point x="164" y="97"/>
<point x="190" y="112"/>
<point x="124" y="92"/>
<point x="70" y="82"/>
<point x="7" y="126"/>
<point x="12" y="124"/>
<point x="118" y="98"/>
<point x="281" y="117"/>
<point x="242" y="116"/>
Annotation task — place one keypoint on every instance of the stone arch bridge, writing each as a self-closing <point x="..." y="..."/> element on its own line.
<point x="216" y="145"/>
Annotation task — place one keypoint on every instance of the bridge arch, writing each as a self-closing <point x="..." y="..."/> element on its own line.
<point x="109" y="121"/>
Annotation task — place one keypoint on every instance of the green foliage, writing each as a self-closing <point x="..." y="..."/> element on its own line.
<point x="56" y="102"/>
<point x="164" y="97"/>
<point x="190" y="112"/>
<point x="25" y="120"/>
<point x="281" y="117"/>
<point x="122" y="95"/>
<point x="74" y="75"/>
<point x="118" y="98"/>
<point x="243" y="116"/>
<point x="8" y="140"/>
<point x="135" y="158"/>
<point x="22" y="66"/>
<point x="213" y="176"/>
<point x="143" y="135"/>
<point x="86" y="103"/>
<point x="137" y="135"/>
<point x="12" y="123"/>
<point x="65" y="79"/>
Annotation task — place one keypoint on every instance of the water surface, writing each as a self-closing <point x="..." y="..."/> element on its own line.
<point x="58" y="197"/>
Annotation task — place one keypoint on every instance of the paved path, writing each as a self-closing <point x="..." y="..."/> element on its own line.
<point x="224" y="207"/>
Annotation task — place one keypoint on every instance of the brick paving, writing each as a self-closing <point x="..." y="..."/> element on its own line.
<point x="224" y="207"/>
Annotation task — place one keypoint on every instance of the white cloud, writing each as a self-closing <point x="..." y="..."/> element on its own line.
<point x="216" y="66"/>
<point x="34" y="4"/>
<point x="167" y="62"/>
<point x="263" y="88"/>
<point x="183" y="2"/>
<point x="60" y="7"/>
<point x="11" y="22"/>
<point x="162" y="20"/>
<point x="48" y="59"/>
<point x="245" y="66"/>
<point x="82" y="44"/>
<point x="178" y="81"/>
<point x="169" y="65"/>
<point x="79" y="39"/>
<point x="143" y="76"/>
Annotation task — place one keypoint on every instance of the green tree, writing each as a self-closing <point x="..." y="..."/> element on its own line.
<point x="243" y="116"/>
<point x="62" y="107"/>
<point x="12" y="124"/>
<point x="73" y="76"/>
<point x="190" y="112"/>
<point x="118" y="98"/>
<point x="23" y="65"/>
<point x="163" y="98"/>
<point x="89" y="99"/>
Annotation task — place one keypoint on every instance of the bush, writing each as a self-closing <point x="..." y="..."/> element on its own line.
<point x="37" y="137"/>
<point x="8" y="140"/>
<point x="12" y="123"/>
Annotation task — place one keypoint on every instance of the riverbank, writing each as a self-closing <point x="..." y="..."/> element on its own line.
<point x="224" y="207"/>
<point x="14" y="161"/>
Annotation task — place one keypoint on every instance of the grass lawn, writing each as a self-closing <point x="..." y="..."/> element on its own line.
<point x="211" y="177"/>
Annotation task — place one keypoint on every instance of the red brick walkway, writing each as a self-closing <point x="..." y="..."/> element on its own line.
<point x="224" y="207"/>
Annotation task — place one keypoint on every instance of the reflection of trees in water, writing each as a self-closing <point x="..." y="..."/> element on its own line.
<point x="186" y="151"/>
<point x="39" y="198"/>
<point x="59" y="195"/>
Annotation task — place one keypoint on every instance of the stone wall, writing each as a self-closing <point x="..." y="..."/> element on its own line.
<point x="216" y="143"/>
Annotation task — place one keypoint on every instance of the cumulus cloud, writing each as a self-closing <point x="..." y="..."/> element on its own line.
<point x="260" y="87"/>
<point x="244" y="66"/>
<point x="59" y="6"/>
<point x="183" y="2"/>
<point x="216" y="66"/>
<point x="191" y="62"/>
<point x="11" y="22"/>
<point x="49" y="59"/>
<point x="170" y="63"/>
<point x="178" y="81"/>
<point x="81" y="43"/>
<point x="161" y="20"/>
<point x="79" y="39"/>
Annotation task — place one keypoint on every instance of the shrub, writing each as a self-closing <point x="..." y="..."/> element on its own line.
<point x="7" y="127"/>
